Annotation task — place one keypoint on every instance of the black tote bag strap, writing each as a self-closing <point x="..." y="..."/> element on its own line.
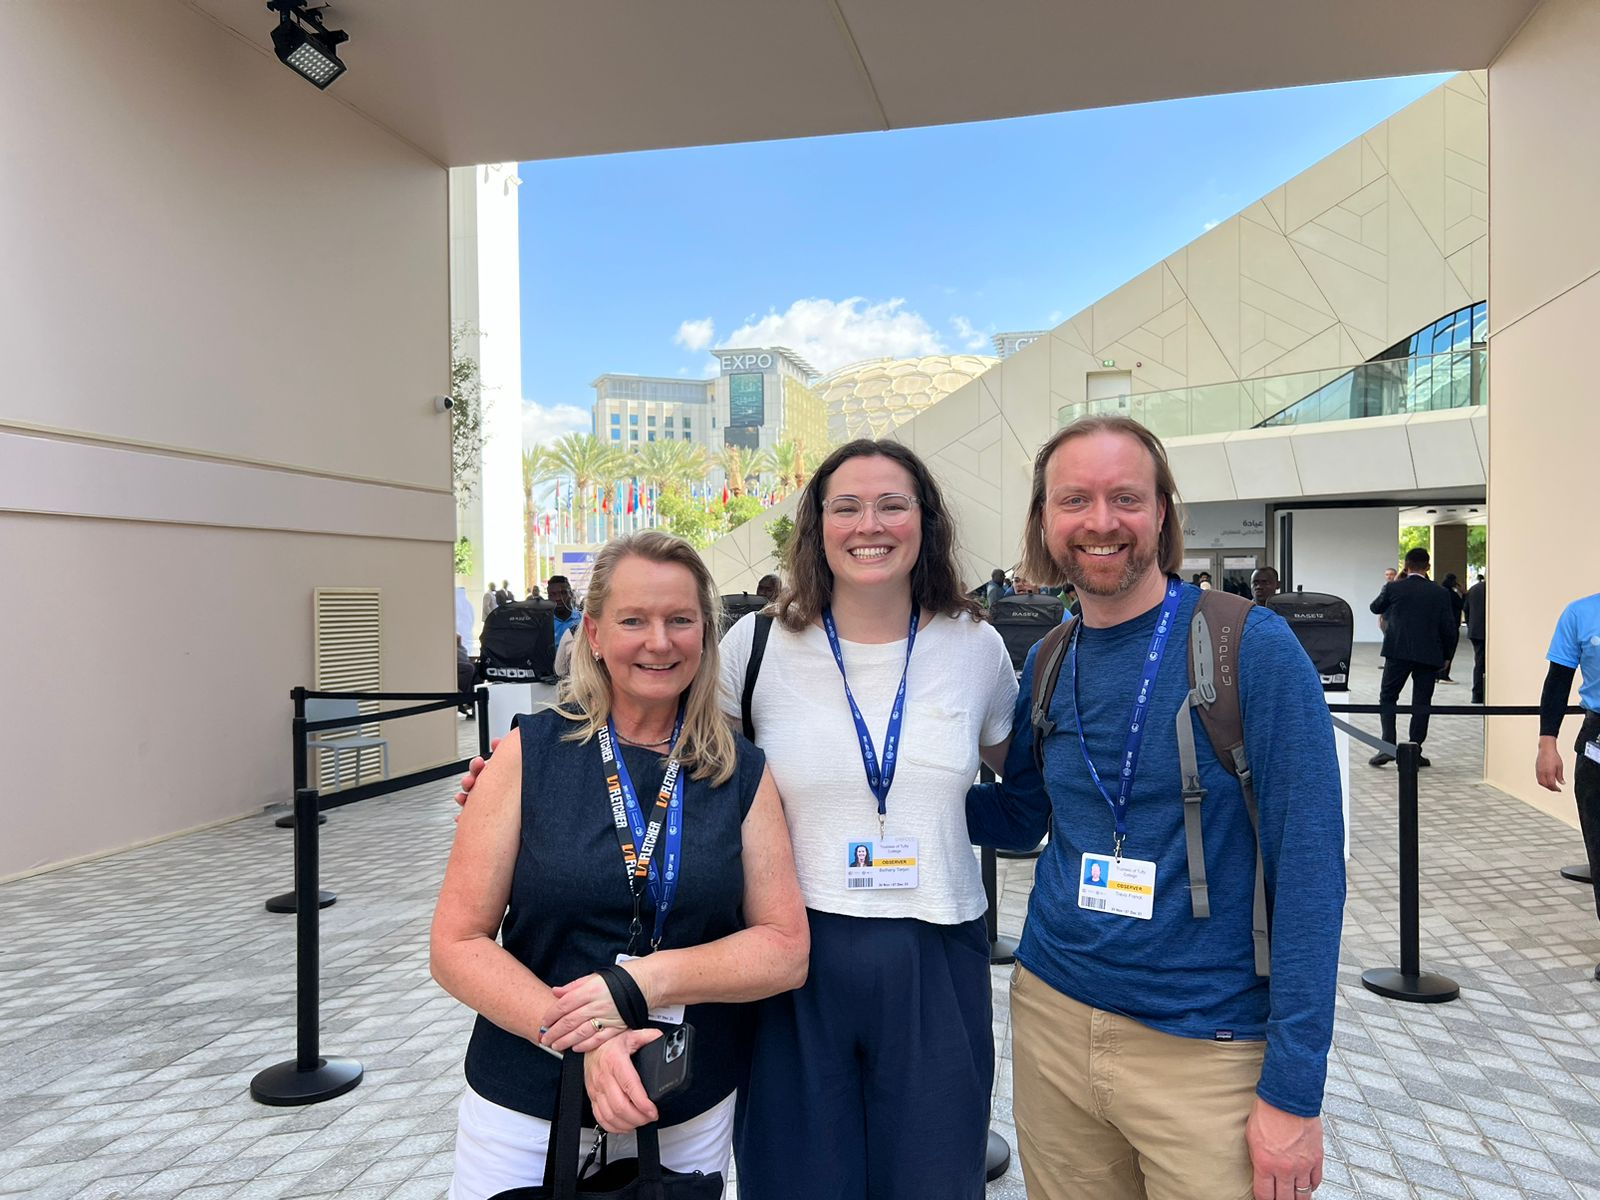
<point x="561" y="1155"/>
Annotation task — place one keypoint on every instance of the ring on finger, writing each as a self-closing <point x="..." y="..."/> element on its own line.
<point x="599" y="1025"/>
<point x="1303" y="1191"/>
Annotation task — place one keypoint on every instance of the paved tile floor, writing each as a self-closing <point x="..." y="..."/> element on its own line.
<point x="139" y="994"/>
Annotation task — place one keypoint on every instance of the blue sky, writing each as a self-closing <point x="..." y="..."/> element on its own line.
<point x="908" y="242"/>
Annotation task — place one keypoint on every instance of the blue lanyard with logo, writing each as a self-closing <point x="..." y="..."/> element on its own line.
<point x="879" y="776"/>
<point x="1136" y="719"/>
<point x="639" y="864"/>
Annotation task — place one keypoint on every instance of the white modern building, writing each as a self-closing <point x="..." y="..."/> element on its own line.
<point x="631" y="411"/>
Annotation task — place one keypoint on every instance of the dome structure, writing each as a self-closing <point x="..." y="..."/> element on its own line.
<point x="871" y="397"/>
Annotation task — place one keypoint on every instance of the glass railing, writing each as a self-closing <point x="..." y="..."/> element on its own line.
<point x="1424" y="383"/>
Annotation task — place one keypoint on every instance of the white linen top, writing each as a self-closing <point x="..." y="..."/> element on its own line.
<point x="960" y="694"/>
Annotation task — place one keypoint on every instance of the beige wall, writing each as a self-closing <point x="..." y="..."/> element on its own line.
<point x="224" y="303"/>
<point x="1544" y="308"/>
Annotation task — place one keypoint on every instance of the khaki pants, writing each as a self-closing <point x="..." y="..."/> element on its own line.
<point x="1109" y="1109"/>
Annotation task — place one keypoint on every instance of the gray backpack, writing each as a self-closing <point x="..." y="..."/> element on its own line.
<point x="1215" y="631"/>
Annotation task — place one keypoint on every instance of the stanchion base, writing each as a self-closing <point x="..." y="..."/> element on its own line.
<point x="285" y="903"/>
<point x="287" y="820"/>
<point x="1418" y="989"/>
<point x="997" y="1159"/>
<point x="285" y="1084"/>
<point x="1578" y="873"/>
<point x="1002" y="952"/>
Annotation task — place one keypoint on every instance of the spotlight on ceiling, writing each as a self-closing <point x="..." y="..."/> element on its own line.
<point x="304" y="44"/>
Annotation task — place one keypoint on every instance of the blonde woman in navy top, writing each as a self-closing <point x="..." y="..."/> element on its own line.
<point x="536" y="898"/>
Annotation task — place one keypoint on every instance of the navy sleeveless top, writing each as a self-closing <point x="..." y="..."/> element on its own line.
<point x="570" y="906"/>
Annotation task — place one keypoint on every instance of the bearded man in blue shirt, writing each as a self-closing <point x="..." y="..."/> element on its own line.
<point x="1151" y="1059"/>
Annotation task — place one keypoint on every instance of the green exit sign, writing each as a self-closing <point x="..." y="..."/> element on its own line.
<point x="1108" y="362"/>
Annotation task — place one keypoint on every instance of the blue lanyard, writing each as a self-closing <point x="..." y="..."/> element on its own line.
<point x="639" y="864"/>
<point x="1136" y="719"/>
<point x="879" y="777"/>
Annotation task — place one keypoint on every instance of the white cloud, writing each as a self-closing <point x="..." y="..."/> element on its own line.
<point x="544" y="423"/>
<point x="831" y="333"/>
<point x="696" y="335"/>
<point x="1210" y="225"/>
<point x="971" y="337"/>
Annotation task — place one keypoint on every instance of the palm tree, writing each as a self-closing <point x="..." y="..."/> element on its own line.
<point x="588" y="462"/>
<point x="670" y="466"/>
<point x="788" y="464"/>
<point x="732" y="461"/>
<point x="538" y="466"/>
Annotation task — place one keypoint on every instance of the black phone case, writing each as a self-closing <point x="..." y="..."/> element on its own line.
<point x="666" y="1064"/>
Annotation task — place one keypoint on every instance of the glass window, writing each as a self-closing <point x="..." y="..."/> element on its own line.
<point x="616" y="418"/>
<point x="669" y="422"/>
<point x="651" y="421"/>
<point x="633" y="418"/>
<point x="616" y="435"/>
<point x="652" y="435"/>
<point x="1480" y="322"/>
<point x="633" y="435"/>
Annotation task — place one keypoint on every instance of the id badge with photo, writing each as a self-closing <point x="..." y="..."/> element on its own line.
<point x="1591" y="751"/>
<point x="1123" y="887"/>
<point x="667" y="1014"/>
<point x="880" y="864"/>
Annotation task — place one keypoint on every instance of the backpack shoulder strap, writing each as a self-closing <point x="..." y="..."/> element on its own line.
<point x="752" y="671"/>
<point x="1215" y="632"/>
<point x="1046" y="674"/>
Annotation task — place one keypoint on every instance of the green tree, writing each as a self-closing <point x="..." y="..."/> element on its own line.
<point x="732" y="460"/>
<point x="538" y="466"/>
<point x="463" y="555"/>
<point x="588" y="463"/>
<point x="782" y="532"/>
<point x="466" y="415"/>
<point x="740" y="509"/>
<point x="1412" y="536"/>
<point x="687" y="518"/>
<point x="1477" y="546"/>
<point x="671" y="465"/>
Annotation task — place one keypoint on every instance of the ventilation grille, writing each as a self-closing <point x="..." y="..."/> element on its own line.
<point x="348" y="640"/>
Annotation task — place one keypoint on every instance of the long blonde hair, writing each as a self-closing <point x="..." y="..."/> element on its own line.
<point x="705" y="747"/>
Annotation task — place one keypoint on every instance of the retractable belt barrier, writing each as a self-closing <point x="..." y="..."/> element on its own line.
<point x="310" y="1077"/>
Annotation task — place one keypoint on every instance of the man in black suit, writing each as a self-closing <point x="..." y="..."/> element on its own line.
<point x="1478" y="633"/>
<point x="1420" y="624"/>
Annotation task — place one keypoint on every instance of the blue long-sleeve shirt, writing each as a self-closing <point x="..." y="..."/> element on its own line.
<point x="1192" y="978"/>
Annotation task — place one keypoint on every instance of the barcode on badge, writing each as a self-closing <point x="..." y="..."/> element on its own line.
<point x="855" y="883"/>
<point x="1094" y="902"/>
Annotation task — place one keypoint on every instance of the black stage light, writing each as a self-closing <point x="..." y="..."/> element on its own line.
<point x="304" y="44"/>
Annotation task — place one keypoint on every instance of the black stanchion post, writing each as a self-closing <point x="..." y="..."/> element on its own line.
<point x="483" y="720"/>
<point x="308" y="1078"/>
<point x="1409" y="983"/>
<point x="997" y="1154"/>
<point x="1578" y="873"/>
<point x="285" y="903"/>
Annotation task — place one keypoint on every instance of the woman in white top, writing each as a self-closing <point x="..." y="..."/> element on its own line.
<point x="878" y="686"/>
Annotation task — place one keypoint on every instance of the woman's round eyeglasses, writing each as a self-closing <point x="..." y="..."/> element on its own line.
<point x="893" y="508"/>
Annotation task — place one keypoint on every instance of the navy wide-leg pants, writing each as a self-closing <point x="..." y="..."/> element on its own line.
<point x="872" y="1081"/>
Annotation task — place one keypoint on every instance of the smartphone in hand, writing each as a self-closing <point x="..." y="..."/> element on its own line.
<point x="665" y="1065"/>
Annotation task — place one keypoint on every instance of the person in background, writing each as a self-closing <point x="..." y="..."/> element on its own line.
<point x="767" y="588"/>
<point x="566" y="617"/>
<point x="1476" y="610"/>
<point x="503" y="595"/>
<point x="1574" y="648"/>
<point x="534" y="862"/>
<point x="466" y="673"/>
<point x="1422" y="625"/>
<point x="491" y="600"/>
<point x="533" y="593"/>
<point x="1458" y="602"/>
<point x="1264" y="584"/>
<point x="995" y="588"/>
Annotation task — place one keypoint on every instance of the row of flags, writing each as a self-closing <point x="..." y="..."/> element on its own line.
<point x="630" y="503"/>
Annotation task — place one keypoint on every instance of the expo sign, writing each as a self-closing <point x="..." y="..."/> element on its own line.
<point x="746" y="362"/>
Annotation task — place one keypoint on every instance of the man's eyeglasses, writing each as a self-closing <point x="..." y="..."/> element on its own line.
<point x="893" y="508"/>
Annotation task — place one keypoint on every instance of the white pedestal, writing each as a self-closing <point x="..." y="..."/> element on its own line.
<point x="507" y="700"/>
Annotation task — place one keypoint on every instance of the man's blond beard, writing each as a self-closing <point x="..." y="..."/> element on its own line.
<point x="1138" y="565"/>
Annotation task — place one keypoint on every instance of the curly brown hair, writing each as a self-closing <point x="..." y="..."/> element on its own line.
<point x="935" y="580"/>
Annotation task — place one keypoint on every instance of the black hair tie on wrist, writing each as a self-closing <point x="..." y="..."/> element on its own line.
<point x="626" y="995"/>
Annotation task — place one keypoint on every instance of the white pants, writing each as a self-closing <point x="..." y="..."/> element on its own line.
<point x="499" y="1148"/>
